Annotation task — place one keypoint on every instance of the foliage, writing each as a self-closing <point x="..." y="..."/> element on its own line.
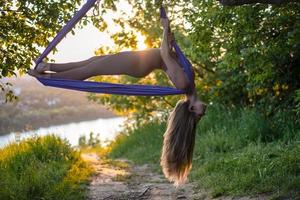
<point x="143" y="19"/>
<point x="42" y="168"/>
<point x="253" y="170"/>
<point x="25" y="26"/>
<point x="245" y="55"/>
<point x="254" y="51"/>
<point x="92" y="142"/>
<point x="236" y="153"/>
<point x="297" y="107"/>
<point x="146" y="143"/>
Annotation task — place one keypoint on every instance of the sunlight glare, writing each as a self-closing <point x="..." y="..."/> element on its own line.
<point x="141" y="42"/>
<point x="83" y="44"/>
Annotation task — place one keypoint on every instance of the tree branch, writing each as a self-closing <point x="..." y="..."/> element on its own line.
<point x="204" y="66"/>
<point x="242" y="2"/>
<point x="167" y="102"/>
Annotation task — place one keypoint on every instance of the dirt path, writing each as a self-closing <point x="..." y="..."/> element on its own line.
<point x="121" y="180"/>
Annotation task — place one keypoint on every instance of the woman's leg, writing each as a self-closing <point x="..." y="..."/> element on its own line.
<point x="132" y="63"/>
<point x="60" y="67"/>
<point x="174" y="70"/>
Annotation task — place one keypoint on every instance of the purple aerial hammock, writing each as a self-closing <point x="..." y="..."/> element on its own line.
<point x="111" y="88"/>
<point x="179" y="137"/>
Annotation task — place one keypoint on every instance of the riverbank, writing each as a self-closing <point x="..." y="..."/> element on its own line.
<point x="231" y="161"/>
<point x="39" y="106"/>
<point x="104" y="130"/>
<point x="237" y="153"/>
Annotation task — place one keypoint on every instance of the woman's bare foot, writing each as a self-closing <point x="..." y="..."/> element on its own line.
<point x="35" y="73"/>
<point x="43" y="67"/>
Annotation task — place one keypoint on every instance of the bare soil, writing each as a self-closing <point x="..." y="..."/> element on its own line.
<point x="122" y="180"/>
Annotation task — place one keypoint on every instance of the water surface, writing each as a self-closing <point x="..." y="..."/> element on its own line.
<point x="106" y="128"/>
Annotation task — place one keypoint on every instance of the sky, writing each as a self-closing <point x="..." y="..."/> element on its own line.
<point x="83" y="44"/>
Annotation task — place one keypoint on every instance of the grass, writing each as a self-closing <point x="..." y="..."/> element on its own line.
<point x="42" y="168"/>
<point x="237" y="152"/>
<point x="141" y="146"/>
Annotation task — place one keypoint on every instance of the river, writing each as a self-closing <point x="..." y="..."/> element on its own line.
<point x="106" y="128"/>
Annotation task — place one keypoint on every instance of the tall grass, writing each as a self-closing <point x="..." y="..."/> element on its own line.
<point x="42" y="168"/>
<point x="237" y="152"/>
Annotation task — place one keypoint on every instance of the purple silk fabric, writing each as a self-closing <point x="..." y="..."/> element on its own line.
<point x="110" y="88"/>
<point x="184" y="62"/>
<point x="63" y="32"/>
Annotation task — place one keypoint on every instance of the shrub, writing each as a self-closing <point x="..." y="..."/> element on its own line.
<point x="42" y="168"/>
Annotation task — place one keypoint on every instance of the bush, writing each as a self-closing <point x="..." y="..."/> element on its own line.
<point x="42" y="168"/>
<point x="92" y="142"/>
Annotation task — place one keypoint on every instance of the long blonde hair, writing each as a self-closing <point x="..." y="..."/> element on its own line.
<point x="178" y="145"/>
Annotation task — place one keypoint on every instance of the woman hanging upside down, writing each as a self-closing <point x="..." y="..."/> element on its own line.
<point x="179" y="138"/>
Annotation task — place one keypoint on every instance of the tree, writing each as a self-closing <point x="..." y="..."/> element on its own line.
<point x="26" y="25"/>
<point x="144" y="19"/>
<point x="243" y="55"/>
<point x="254" y="50"/>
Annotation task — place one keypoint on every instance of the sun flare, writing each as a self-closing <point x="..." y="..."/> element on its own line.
<point x="141" y="42"/>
